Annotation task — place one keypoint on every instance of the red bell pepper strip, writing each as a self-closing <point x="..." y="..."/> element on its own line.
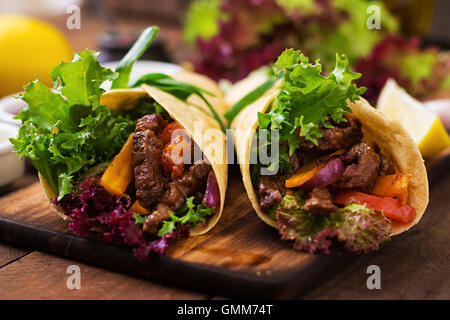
<point x="392" y="208"/>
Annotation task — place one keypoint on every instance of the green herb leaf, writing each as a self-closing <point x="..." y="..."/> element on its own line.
<point x="127" y="62"/>
<point x="45" y="108"/>
<point x="139" y="219"/>
<point x="81" y="78"/>
<point x="188" y="213"/>
<point x="250" y="98"/>
<point x="179" y="89"/>
<point x="168" y="226"/>
<point x="202" y="20"/>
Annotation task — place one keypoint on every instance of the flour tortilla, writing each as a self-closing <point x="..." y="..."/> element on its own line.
<point x="394" y="142"/>
<point x="237" y="91"/>
<point x="199" y="125"/>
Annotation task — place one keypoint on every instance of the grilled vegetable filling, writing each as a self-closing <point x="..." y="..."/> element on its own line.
<point x="164" y="172"/>
<point x="152" y="191"/>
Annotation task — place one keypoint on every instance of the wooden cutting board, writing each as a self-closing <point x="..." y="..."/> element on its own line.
<point x="240" y="257"/>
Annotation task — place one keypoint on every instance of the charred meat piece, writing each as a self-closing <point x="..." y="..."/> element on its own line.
<point x="386" y="166"/>
<point x="154" y="220"/>
<point x="154" y="122"/>
<point x="147" y="149"/>
<point x="192" y="180"/>
<point x="342" y="136"/>
<point x="188" y="185"/>
<point x="363" y="174"/>
<point x="319" y="202"/>
<point x="271" y="190"/>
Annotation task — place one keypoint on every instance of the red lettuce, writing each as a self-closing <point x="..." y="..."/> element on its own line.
<point x="253" y="33"/>
<point x="358" y="227"/>
<point x="234" y="37"/>
<point x="421" y="71"/>
<point x="91" y="208"/>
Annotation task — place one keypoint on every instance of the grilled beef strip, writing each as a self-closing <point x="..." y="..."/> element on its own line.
<point x="319" y="202"/>
<point x="176" y="193"/>
<point x="147" y="150"/>
<point x="271" y="190"/>
<point x="342" y="136"/>
<point x="386" y="166"/>
<point x="363" y="174"/>
<point x="153" y="190"/>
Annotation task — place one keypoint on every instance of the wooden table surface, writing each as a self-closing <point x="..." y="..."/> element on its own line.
<point x="29" y="274"/>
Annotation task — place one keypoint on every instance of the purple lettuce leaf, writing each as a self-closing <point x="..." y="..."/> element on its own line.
<point x="91" y="208"/>
<point x="421" y="71"/>
<point x="361" y="229"/>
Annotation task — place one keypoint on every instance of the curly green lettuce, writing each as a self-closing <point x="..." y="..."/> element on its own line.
<point x="307" y="101"/>
<point x="66" y="131"/>
<point x="361" y="229"/>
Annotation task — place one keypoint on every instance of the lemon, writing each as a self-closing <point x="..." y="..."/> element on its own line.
<point x="425" y="127"/>
<point x="29" y="48"/>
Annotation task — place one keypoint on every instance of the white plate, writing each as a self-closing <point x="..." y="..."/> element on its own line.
<point x="11" y="167"/>
<point x="9" y="106"/>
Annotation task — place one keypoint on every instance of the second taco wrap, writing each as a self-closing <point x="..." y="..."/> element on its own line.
<point x="340" y="169"/>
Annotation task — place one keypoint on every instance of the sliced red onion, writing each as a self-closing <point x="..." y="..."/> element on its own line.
<point x="327" y="175"/>
<point x="212" y="194"/>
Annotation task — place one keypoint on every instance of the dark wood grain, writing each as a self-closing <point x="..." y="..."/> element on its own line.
<point x="43" y="276"/>
<point x="10" y="254"/>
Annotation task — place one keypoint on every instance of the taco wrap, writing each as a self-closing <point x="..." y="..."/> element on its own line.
<point x="213" y="149"/>
<point x="140" y="165"/>
<point x="359" y="178"/>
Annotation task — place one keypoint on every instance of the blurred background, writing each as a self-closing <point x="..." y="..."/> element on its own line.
<point x="227" y="39"/>
<point x="407" y="40"/>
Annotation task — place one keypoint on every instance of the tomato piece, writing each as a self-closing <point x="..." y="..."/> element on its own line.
<point x="176" y="142"/>
<point x="166" y="134"/>
<point x="392" y="208"/>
